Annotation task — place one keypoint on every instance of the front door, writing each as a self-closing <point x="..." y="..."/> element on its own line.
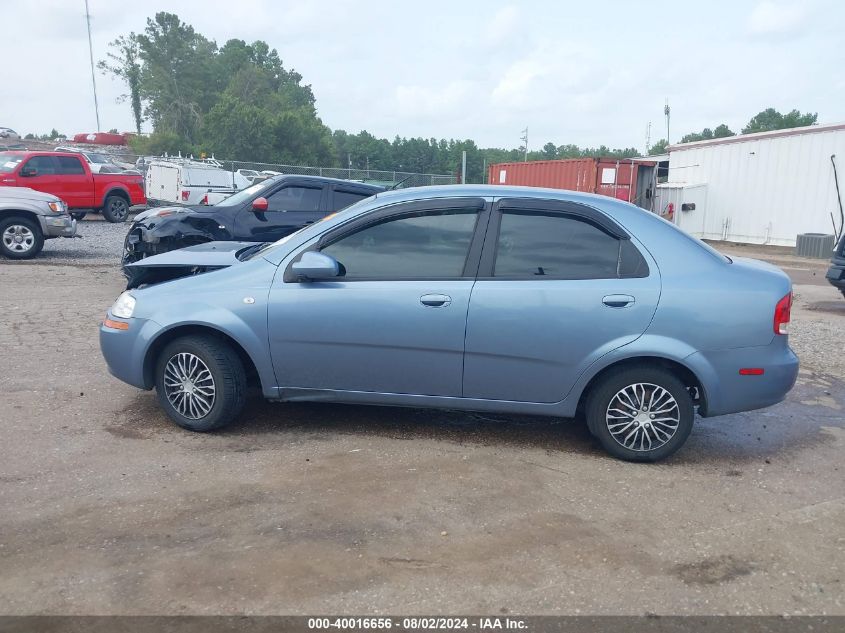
<point x="41" y="172"/>
<point x="559" y="286"/>
<point x="288" y="208"/>
<point x="394" y="321"/>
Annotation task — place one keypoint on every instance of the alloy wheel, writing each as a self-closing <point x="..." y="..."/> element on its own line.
<point x="642" y="416"/>
<point x="189" y="385"/>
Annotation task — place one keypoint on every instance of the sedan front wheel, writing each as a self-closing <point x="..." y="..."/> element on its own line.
<point x="200" y="383"/>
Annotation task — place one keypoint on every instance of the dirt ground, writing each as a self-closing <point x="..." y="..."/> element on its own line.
<point x="107" y="508"/>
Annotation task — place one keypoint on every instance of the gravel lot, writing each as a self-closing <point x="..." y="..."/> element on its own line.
<point x="107" y="508"/>
<point x="99" y="242"/>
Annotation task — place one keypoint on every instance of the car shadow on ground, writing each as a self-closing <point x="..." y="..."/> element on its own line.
<point x="803" y="421"/>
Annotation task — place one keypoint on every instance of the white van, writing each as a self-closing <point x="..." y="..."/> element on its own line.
<point x="186" y="181"/>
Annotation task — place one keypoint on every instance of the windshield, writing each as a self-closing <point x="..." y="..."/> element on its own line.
<point x="243" y="195"/>
<point x="9" y="161"/>
<point x="99" y="159"/>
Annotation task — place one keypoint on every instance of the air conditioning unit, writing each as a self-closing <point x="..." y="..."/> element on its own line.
<point x="817" y="245"/>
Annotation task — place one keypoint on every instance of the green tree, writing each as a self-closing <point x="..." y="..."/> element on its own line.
<point x="179" y="78"/>
<point x="722" y="131"/>
<point x="549" y="151"/>
<point x="124" y="63"/>
<point x="770" y="119"/>
<point x="660" y="147"/>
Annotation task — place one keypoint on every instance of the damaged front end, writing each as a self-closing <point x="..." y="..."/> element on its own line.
<point x="186" y="262"/>
<point x="165" y="229"/>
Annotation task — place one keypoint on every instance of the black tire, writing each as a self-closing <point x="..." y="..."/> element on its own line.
<point x="600" y="416"/>
<point x="115" y="208"/>
<point x="20" y="237"/>
<point x="78" y="215"/>
<point x="228" y="386"/>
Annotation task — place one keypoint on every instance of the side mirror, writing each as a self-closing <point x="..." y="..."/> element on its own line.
<point x="315" y="266"/>
<point x="27" y="172"/>
<point x="260" y="204"/>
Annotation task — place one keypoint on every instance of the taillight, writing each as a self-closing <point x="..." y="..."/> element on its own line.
<point x="185" y="195"/>
<point x="782" y="313"/>
<point x="204" y="200"/>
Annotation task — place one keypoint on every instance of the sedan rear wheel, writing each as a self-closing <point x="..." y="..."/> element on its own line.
<point x="200" y="382"/>
<point x="640" y="414"/>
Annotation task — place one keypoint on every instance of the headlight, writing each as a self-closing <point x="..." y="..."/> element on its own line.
<point x="124" y="306"/>
<point x="57" y="207"/>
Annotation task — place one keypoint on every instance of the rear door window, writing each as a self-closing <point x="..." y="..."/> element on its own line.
<point x="536" y="245"/>
<point x="70" y="166"/>
<point x="343" y="199"/>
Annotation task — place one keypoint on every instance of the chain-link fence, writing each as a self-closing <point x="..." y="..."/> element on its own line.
<point x="374" y="176"/>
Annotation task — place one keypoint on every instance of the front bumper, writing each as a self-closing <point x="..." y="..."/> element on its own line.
<point x="125" y="350"/>
<point x="57" y="225"/>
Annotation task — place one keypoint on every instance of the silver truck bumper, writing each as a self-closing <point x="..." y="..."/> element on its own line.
<point x="58" y="225"/>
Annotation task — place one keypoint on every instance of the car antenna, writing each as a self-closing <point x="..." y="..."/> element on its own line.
<point x="395" y="185"/>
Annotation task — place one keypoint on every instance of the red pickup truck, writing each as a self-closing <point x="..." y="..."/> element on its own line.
<point x="68" y="176"/>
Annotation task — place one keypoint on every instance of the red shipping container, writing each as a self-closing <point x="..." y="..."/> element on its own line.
<point x="101" y="138"/>
<point x="605" y="176"/>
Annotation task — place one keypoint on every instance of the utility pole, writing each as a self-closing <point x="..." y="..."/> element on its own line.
<point x="91" y="54"/>
<point x="524" y="139"/>
<point x="464" y="167"/>
<point x="666" y="112"/>
<point x="647" y="138"/>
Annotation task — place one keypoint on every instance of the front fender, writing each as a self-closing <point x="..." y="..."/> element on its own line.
<point x="231" y="301"/>
<point x="225" y="323"/>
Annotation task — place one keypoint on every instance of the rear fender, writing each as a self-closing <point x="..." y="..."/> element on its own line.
<point x="647" y="346"/>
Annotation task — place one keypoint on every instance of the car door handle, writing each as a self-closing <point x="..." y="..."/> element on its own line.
<point x="436" y="301"/>
<point x="618" y="301"/>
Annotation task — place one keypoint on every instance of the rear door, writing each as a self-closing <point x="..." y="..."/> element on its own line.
<point x="289" y="208"/>
<point x="42" y="170"/>
<point x="559" y="285"/>
<point x="343" y="197"/>
<point x="76" y="186"/>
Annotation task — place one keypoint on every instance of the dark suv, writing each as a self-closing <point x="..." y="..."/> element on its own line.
<point x="836" y="272"/>
<point x="264" y="212"/>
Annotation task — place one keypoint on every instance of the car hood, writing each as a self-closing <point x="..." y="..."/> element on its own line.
<point x="156" y="211"/>
<point x="25" y="193"/>
<point x="210" y="254"/>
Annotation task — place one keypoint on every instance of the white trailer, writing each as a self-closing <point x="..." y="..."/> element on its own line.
<point x="764" y="188"/>
<point x="186" y="181"/>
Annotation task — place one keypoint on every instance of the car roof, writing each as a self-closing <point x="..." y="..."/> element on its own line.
<point x="496" y="191"/>
<point x="325" y="179"/>
<point x="35" y="152"/>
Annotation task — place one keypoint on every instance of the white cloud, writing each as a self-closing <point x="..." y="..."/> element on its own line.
<point x="769" y="18"/>
<point x="451" y="99"/>
<point x="503" y="24"/>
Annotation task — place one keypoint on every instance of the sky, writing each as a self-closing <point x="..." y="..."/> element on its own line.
<point x="587" y="73"/>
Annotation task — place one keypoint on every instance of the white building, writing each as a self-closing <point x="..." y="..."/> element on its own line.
<point x="763" y="188"/>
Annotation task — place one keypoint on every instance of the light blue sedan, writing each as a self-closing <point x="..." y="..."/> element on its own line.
<point x="483" y="298"/>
